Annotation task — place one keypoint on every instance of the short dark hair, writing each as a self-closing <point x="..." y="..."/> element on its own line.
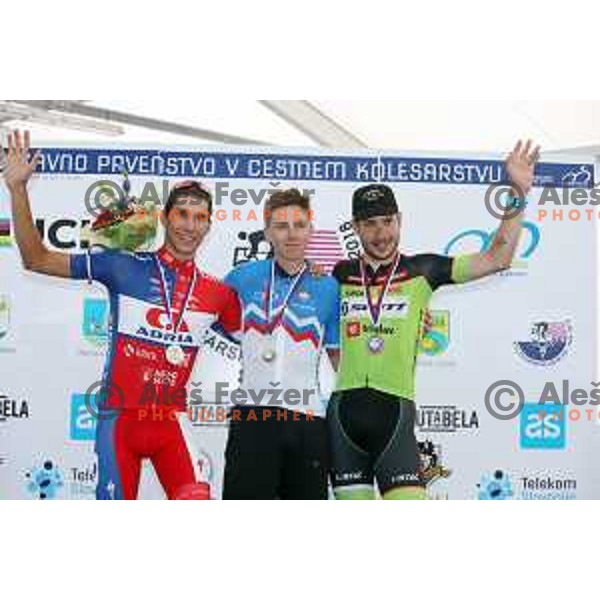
<point x="186" y="189"/>
<point x="283" y="199"/>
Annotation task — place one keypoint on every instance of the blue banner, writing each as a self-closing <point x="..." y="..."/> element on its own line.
<point x="291" y="167"/>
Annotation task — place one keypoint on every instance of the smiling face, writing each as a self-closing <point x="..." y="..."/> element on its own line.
<point x="289" y="230"/>
<point x="380" y="236"/>
<point x="186" y="226"/>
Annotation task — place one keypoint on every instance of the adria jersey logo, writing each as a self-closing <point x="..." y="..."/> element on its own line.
<point x="150" y="322"/>
<point x="160" y="329"/>
<point x="159" y="319"/>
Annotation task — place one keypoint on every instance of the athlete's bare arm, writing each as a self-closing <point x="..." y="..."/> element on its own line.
<point x="520" y="166"/>
<point x="18" y="169"/>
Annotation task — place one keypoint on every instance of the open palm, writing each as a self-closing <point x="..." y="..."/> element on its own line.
<point x="520" y="166"/>
<point x="18" y="165"/>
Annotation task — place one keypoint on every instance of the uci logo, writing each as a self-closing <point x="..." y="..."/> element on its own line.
<point x="485" y="238"/>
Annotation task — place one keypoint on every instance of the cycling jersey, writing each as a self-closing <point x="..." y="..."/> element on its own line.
<point x="138" y="372"/>
<point x="309" y="323"/>
<point x="383" y="356"/>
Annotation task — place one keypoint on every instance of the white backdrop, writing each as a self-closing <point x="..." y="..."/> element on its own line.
<point x="53" y="332"/>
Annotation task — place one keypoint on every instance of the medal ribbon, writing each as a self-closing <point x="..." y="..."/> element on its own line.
<point x="269" y="307"/>
<point x="166" y="298"/>
<point x="375" y="310"/>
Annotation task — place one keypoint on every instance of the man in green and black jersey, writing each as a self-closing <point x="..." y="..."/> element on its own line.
<point x="383" y="298"/>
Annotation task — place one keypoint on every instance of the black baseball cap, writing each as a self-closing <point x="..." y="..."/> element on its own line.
<point x="375" y="200"/>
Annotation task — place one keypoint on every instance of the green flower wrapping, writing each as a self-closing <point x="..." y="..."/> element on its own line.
<point x="126" y="224"/>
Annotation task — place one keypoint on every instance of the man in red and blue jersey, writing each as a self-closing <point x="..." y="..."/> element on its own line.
<point x="160" y="304"/>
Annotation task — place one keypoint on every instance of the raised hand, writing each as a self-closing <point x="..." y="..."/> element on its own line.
<point x="520" y="166"/>
<point x="18" y="165"/>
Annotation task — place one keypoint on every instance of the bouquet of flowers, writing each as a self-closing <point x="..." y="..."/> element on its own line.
<point x="126" y="223"/>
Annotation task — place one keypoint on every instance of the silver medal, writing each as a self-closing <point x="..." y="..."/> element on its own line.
<point x="269" y="355"/>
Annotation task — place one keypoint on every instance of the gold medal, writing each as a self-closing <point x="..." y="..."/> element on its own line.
<point x="175" y="355"/>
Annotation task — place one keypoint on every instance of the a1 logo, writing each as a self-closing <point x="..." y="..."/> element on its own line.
<point x="83" y="422"/>
<point x="543" y="428"/>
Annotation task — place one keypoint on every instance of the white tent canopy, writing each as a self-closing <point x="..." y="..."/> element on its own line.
<point x="470" y="126"/>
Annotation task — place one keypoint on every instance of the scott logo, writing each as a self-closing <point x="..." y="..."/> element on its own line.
<point x="393" y="309"/>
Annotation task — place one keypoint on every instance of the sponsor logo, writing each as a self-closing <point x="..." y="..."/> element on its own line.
<point x="542" y="429"/>
<point x="550" y="342"/>
<point x="431" y="464"/>
<point x="324" y="248"/>
<point x="13" y="409"/>
<point x="480" y="240"/>
<point x="446" y="419"/>
<point x="82" y="481"/>
<point x="496" y="486"/>
<point x="353" y="329"/>
<point x="158" y="328"/>
<point x="158" y="318"/>
<point x="436" y="341"/>
<point x="131" y="350"/>
<point x="44" y="481"/>
<point x="254" y="246"/>
<point x="82" y="422"/>
<point x="406" y="478"/>
<point x="397" y="309"/>
<point x="499" y="485"/>
<point x="220" y="345"/>
<point x="342" y="478"/>
<point x="581" y="175"/>
<point x="95" y="323"/>
<point x="547" y="487"/>
<point x="63" y="234"/>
